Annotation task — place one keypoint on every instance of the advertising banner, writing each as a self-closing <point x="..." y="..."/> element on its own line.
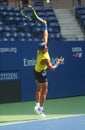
<point x="17" y="62"/>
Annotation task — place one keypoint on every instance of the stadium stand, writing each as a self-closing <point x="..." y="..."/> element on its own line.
<point x="25" y="2"/>
<point x="13" y="26"/>
<point x="38" y="3"/>
<point x="80" y="16"/>
<point x="4" y="2"/>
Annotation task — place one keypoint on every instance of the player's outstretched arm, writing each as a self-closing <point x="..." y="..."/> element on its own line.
<point x="49" y="64"/>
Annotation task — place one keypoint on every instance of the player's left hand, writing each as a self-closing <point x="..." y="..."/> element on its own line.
<point x="60" y="60"/>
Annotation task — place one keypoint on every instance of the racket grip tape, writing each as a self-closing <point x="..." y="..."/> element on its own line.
<point x="41" y="19"/>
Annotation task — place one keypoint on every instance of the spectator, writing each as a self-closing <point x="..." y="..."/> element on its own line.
<point x="79" y="2"/>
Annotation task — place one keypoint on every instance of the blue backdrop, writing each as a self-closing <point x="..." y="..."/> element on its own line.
<point x="17" y="60"/>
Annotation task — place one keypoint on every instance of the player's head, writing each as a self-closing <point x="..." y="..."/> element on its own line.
<point x="42" y="46"/>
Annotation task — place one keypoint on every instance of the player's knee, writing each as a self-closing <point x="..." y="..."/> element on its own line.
<point x="45" y="91"/>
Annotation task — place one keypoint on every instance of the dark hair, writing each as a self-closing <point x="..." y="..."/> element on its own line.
<point x="42" y="46"/>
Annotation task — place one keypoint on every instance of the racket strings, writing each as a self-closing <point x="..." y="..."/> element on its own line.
<point x="30" y="12"/>
<point x="27" y="12"/>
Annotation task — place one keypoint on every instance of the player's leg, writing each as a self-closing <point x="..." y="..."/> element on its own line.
<point x="38" y="96"/>
<point x="44" y="93"/>
<point x="43" y="97"/>
<point x="38" y="93"/>
<point x="41" y="93"/>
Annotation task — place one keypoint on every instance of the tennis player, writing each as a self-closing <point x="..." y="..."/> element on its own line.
<point x="42" y="62"/>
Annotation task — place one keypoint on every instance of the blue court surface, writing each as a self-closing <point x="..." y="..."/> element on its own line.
<point x="75" y="122"/>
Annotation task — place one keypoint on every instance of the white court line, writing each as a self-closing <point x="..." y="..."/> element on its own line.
<point x="44" y="119"/>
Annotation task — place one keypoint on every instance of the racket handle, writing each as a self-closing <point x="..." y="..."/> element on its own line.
<point x="41" y="20"/>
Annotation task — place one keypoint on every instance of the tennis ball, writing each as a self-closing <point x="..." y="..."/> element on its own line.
<point x="47" y="1"/>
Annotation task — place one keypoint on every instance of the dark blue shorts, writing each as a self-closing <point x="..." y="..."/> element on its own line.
<point x="40" y="76"/>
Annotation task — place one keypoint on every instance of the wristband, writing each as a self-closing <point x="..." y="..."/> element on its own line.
<point x="56" y="65"/>
<point x="45" y="27"/>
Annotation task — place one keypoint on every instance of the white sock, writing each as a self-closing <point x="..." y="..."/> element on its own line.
<point x="37" y="104"/>
<point x="41" y="108"/>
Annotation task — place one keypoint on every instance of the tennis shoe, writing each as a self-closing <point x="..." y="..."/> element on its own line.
<point x="42" y="114"/>
<point x="39" y="112"/>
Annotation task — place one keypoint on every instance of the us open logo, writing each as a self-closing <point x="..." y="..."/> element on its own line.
<point x="77" y="52"/>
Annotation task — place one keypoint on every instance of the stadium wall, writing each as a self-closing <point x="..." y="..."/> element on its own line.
<point x="17" y="60"/>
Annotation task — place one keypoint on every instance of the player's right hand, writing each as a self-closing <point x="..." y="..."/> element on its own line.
<point x="44" y="22"/>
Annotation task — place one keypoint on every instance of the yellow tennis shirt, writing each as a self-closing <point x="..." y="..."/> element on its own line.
<point x="40" y="57"/>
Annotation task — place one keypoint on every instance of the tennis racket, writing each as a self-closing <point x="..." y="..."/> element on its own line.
<point x="29" y="12"/>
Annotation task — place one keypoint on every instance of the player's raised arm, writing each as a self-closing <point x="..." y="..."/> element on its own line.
<point x="45" y="33"/>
